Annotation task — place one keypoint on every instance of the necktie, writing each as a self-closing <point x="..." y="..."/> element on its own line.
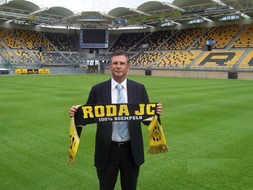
<point x="122" y="125"/>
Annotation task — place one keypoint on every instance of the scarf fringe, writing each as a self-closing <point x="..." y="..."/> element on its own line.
<point x="71" y="158"/>
<point x="74" y="141"/>
<point x="162" y="148"/>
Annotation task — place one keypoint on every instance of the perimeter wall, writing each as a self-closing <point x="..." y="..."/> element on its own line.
<point x="240" y="75"/>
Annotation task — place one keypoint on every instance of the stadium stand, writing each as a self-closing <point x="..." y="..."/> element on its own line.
<point x="9" y="56"/>
<point x="9" y="39"/>
<point x="145" y="59"/>
<point x="24" y="57"/>
<point x="24" y="48"/>
<point x="182" y="39"/>
<point x="127" y="41"/>
<point x="225" y="59"/>
<point x="222" y="35"/>
<point x="61" y="41"/>
<point x="245" y="38"/>
<point x="177" y="59"/>
<point x="32" y="40"/>
<point x="154" y="40"/>
<point x="247" y="62"/>
<point x="20" y="48"/>
<point x="169" y="48"/>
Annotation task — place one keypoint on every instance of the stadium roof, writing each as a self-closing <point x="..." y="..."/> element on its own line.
<point x="150" y="13"/>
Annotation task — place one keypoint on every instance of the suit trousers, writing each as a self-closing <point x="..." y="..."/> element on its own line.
<point x="120" y="161"/>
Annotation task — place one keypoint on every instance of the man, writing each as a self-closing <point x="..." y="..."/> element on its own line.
<point x="115" y="153"/>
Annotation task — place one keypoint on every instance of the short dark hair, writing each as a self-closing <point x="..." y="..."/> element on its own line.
<point x="118" y="53"/>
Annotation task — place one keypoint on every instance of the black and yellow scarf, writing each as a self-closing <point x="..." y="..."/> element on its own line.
<point x="88" y="114"/>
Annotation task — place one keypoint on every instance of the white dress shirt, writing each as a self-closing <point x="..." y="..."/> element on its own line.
<point x="114" y="93"/>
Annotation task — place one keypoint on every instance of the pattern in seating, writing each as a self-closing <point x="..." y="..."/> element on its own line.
<point x="127" y="41"/>
<point x="177" y="59"/>
<point x="247" y="63"/>
<point x="218" y="59"/>
<point x="32" y="40"/>
<point x="9" y="39"/>
<point x="182" y="40"/>
<point x="20" y="47"/>
<point x="245" y="40"/>
<point x="145" y="59"/>
<point x="222" y="35"/>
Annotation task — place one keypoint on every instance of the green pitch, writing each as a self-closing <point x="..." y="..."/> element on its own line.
<point x="208" y="126"/>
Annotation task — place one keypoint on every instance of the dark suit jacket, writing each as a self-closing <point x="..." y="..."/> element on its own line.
<point x="101" y="94"/>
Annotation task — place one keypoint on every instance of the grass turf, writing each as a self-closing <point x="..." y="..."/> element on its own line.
<point x="207" y="124"/>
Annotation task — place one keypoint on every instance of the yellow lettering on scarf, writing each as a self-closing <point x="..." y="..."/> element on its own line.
<point x="111" y="110"/>
<point x="150" y="109"/>
<point x="123" y="109"/>
<point x="87" y="112"/>
<point x="141" y="111"/>
<point x="99" y="111"/>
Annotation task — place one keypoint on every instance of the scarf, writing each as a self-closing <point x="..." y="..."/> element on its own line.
<point x="88" y="114"/>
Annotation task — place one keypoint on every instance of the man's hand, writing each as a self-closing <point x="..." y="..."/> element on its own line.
<point x="159" y="109"/>
<point x="73" y="110"/>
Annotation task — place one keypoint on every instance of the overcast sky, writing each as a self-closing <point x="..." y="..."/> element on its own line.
<point x="90" y="5"/>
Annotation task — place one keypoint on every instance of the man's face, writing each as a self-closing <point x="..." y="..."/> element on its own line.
<point x="119" y="67"/>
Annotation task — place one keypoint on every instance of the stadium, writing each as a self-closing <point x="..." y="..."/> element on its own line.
<point x="181" y="39"/>
<point x="193" y="56"/>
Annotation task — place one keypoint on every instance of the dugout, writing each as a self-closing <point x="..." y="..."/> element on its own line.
<point x="148" y="72"/>
<point x="232" y="75"/>
<point x="4" y="71"/>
